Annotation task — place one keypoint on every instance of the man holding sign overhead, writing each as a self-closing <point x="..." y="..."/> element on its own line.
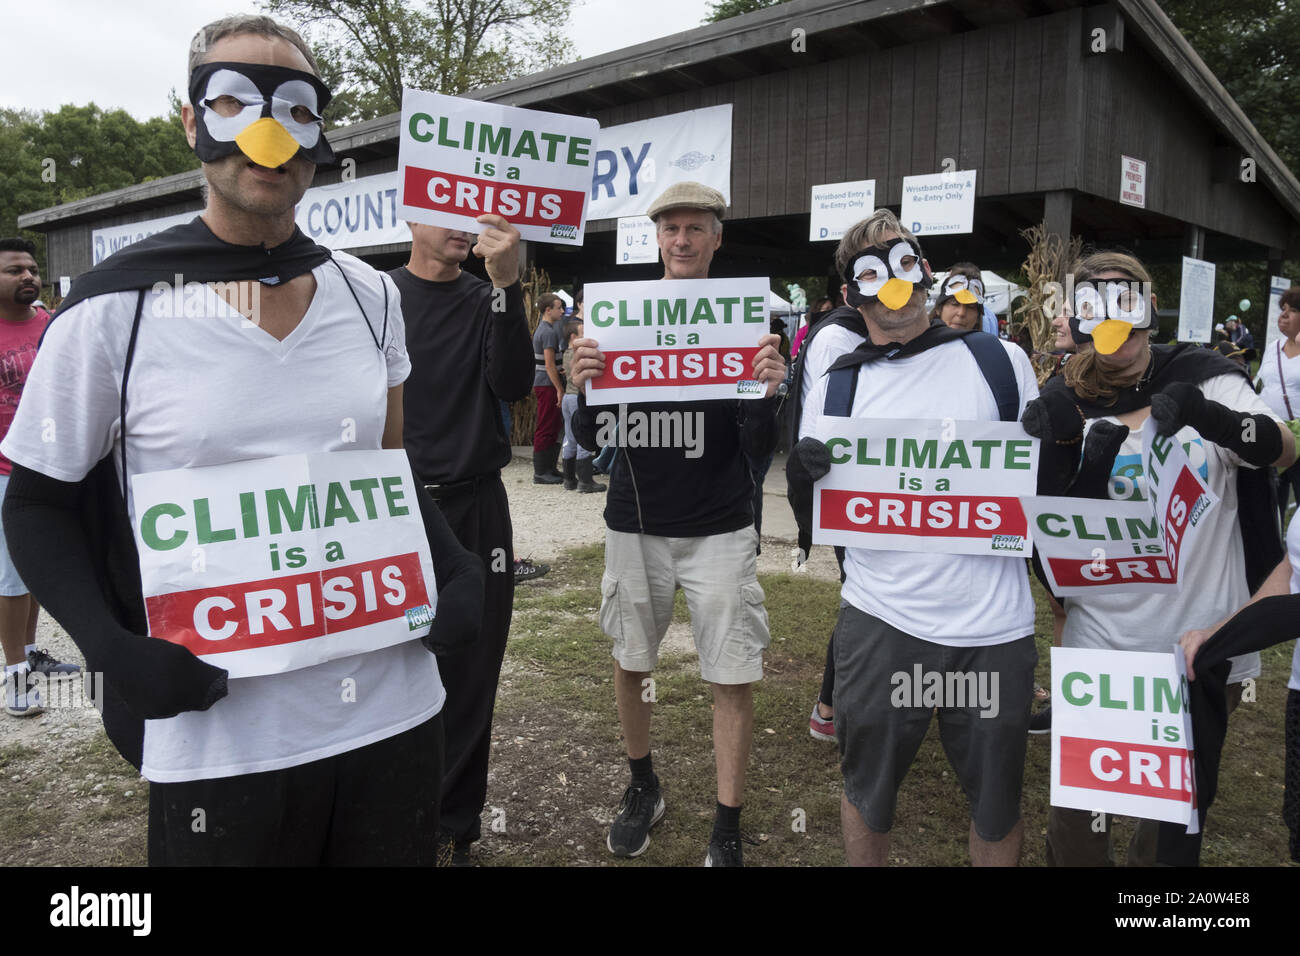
<point x="936" y="609"/>
<point x="679" y="509"/>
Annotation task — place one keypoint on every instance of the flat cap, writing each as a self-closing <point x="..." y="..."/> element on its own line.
<point x="688" y="195"/>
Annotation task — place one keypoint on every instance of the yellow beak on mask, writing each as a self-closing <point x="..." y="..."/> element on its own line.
<point x="267" y="143"/>
<point x="895" y="293"/>
<point x="1110" y="335"/>
<point x="965" y="296"/>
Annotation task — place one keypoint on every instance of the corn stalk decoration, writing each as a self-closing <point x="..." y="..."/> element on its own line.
<point x="523" y="413"/>
<point x="1049" y="258"/>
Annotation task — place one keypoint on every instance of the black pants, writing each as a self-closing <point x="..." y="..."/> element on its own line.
<point x="376" y="805"/>
<point x="1287" y="481"/>
<point x="480" y="519"/>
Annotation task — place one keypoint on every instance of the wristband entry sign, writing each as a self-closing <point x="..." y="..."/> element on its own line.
<point x="271" y="565"/>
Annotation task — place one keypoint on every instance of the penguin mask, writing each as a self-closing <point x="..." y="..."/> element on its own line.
<point x="269" y="113"/>
<point x="889" y="273"/>
<point x="965" y="289"/>
<point x="1107" y="311"/>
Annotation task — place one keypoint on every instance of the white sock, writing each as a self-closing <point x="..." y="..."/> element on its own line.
<point x="16" y="668"/>
<point x="28" y="648"/>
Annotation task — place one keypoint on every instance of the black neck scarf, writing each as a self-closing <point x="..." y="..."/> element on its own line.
<point x="191" y="251"/>
<point x="1169" y="363"/>
<point x="936" y="334"/>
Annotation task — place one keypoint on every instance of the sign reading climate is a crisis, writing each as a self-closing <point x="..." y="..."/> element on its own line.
<point x="1122" y="735"/>
<point x="925" y="485"/>
<point x="676" y="340"/>
<point x="271" y="565"/>
<point x="1089" y="546"/>
<point x="459" y="159"/>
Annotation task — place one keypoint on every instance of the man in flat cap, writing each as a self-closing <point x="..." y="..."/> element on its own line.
<point x="686" y="520"/>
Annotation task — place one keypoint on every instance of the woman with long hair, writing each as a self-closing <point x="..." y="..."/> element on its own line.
<point x="1090" y="419"/>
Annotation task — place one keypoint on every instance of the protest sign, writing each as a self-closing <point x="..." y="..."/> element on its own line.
<point x="676" y="340"/>
<point x="1196" y="301"/>
<point x="939" y="203"/>
<point x="635" y="162"/>
<point x="271" y="565"/>
<point x="835" y="207"/>
<point x="925" y="485"/>
<point x="636" y="242"/>
<point x="1179" y="498"/>
<point x="459" y="159"/>
<point x="1121" y="735"/>
<point x="1090" y="546"/>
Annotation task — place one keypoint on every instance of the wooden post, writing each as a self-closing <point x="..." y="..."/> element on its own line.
<point x="1058" y="213"/>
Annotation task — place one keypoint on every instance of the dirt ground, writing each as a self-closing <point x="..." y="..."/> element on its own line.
<point x="58" y="771"/>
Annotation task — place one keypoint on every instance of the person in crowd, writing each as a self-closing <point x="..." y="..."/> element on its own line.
<point x="961" y="298"/>
<point x="1090" y="420"/>
<point x="548" y="348"/>
<point x="899" y="609"/>
<point x="677" y="520"/>
<point x="1279" y="373"/>
<point x="576" y="459"/>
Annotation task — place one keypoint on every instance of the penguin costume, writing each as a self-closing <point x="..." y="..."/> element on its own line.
<point x="1106" y="313"/>
<point x="81" y="528"/>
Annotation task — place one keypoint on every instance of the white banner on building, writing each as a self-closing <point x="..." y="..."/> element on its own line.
<point x="635" y="162"/>
<point x="353" y="214"/>
<point x="104" y="242"/>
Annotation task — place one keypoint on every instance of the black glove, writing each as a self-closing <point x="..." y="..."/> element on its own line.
<point x="814" y="457"/>
<point x="1057" y="423"/>
<point x="1254" y="438"/>
<point x="459" y="614"/>
<point x="155" y="678"/>
<point x="1098" y="461"/>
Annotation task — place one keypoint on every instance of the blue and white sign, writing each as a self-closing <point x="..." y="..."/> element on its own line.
<point x="836" y="207"/>
<point x="939" y="203"/>
<point x="638" y="161"/>
<point x="353" y="214"/>
<point x="636" y="241"/>
<point x="104" y="242"/>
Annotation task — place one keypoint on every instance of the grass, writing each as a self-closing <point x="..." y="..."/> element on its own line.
<point x="793" y="787"/>
<point x="558" y="769"/>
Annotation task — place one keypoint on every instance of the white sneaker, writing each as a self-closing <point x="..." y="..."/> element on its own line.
<point x="25" y="702"/>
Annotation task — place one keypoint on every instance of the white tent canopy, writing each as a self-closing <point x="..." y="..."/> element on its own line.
<point x="777" y="305"/>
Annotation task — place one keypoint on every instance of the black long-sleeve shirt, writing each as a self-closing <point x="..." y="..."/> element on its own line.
<point x="666" y="491"/>
<point x="465" y="357"/>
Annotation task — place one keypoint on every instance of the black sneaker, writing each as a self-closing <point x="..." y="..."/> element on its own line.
<point x="452" y="852"/>
<point x="642" y="808"/>
<point x="1041" y="722"/>
<point x="43" y="663"/>
<point x="526" y="570"/>
<point x="725" y="853"/>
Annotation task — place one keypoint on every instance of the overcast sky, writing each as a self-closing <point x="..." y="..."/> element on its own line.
<point x="130" y="53"/>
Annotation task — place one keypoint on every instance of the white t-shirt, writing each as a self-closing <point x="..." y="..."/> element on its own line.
<point x="954" y="599"/>
<point x="1293" y="553"/>
<point x="1272" y="393"/>
<point x="1214" y="583"/>
<point x="212" y="389"/>
<point x="828" y="345"/>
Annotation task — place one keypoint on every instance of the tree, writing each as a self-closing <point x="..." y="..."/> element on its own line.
<point x="726" y="9"/>
<point x="1250" y="45"/>
<point x="77" y="151"/>
<point x="369" y="49"/>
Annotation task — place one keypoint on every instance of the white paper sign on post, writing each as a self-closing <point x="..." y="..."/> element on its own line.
<point x="636" y="242"/>
<point x="925" y="485"/>
<point x="459" y="159"/>
<point x="1133" y="182"/>
<point x="835" y="207"/>
<point x="65" y="285"/>
<point x="276" y="564"/>
<point x="939" y="203"/>
<point x="1276" y="286"/>
<point x="676" y="340"/>
<point x="1090" y="546"/>
<point x="1196" y="301"/>
<point x="1121" y="737"/>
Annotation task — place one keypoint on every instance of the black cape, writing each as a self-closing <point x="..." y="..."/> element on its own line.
<point x="191" y="251"/>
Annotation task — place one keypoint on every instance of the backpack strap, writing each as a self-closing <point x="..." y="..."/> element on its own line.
<point x="995" y="365"/>
<point x="841" y="383"/>
<point x="126" y="377"/>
